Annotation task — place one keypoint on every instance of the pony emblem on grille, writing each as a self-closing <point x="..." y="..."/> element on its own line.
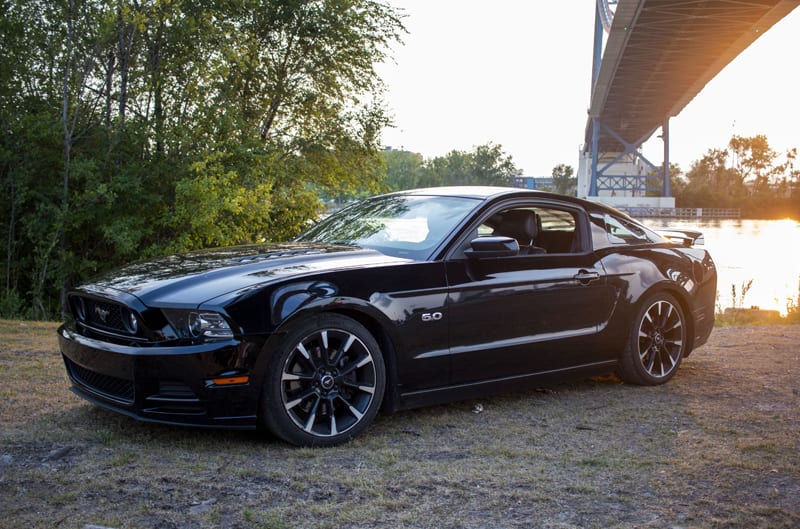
<point x="101" y="313"/>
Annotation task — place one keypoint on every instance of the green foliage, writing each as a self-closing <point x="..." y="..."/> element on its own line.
<point x="563" y="180"/>
<point x="404" y="170"/>
<point x="131" y="129"/>
<point x="748" y="175"/>
<point x="225" y="201"/>
<point x="484" y="165"/>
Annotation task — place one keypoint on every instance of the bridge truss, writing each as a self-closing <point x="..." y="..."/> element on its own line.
<point x="657" y="57"/>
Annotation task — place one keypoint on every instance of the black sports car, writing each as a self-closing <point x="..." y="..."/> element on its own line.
<point x="397" y="301"/>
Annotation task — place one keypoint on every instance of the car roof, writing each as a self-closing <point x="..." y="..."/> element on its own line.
<point x="494" y="192"/>
<point x="482" y="192"/>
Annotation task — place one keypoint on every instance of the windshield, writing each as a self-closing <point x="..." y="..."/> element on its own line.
<point x="398" y="225"/>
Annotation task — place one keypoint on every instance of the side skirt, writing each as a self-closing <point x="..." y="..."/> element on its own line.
<point x="441" y="395"/>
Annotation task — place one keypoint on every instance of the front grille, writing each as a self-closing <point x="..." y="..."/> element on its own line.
<point x="117" y="389"/>
<point x="106" y="317"/>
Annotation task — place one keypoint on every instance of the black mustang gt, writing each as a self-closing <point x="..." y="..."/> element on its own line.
<point x="397" y="301"/>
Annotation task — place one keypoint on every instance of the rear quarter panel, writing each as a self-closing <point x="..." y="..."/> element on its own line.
<point x="686" y="273"/>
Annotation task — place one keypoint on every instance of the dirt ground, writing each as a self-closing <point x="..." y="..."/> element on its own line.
<point x="719" y="446"/>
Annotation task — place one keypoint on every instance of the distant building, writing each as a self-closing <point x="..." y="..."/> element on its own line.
<point x="542" y="183"/>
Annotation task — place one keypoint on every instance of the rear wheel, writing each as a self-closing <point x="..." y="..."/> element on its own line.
<point x="326" y="383"/>
<point x="657" y="342"/>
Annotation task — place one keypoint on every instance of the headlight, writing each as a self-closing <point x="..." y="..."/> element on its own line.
<point x="209" y="325"/>
<point x="206" y="325"/>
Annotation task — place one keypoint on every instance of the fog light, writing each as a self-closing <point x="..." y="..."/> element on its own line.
<point x="130" y="321"/>
<point x="80" y="309"/>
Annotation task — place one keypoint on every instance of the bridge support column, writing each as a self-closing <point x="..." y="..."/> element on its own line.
<point x="665" y="137"/>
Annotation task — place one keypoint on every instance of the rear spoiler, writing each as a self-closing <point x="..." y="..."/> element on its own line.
<point x="683" y="236"/>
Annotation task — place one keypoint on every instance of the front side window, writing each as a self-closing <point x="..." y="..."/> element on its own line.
<point x="538" y="229"/>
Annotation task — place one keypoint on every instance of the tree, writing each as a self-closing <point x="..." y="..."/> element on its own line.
<point x="485" y="165"/>
<point x="754" y="160"/>
<point x="563" y="180"/>
<point x="404" y="170"/>
<point x="135" y="127"/>
<point x="711" y="183"/>
<point x="748" y="175"/>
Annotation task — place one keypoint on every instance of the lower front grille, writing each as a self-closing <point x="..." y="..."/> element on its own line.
<point x="116" y="389"/>
<point x="174" y="398"/>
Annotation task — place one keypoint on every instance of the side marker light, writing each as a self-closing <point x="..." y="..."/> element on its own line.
<point x="230" y="381"/>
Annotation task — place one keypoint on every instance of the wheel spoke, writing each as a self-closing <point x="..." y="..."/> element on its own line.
<point x="668" y="314"/>
<point x="343" y="349"/>
<point x="355" y="365"/>
<point x="652" y="353"/>
<point x="304" y="352"/>
<point x="291" y="377"/>
<point x="324" y="337"/>
<point x="297" y="400"/>
<point x="359" y="387"/>
<point x="672" y="361"/>
<point x="355" y="412"/>
<point x="302" y="349"/>
<point x="312" y="416"/>
<point x="334" y="429"/>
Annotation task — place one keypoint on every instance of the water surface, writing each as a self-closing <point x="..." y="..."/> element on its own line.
<point x="764" y="251"/>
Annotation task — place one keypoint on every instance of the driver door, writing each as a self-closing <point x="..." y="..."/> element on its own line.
<point x="534" y="312"/>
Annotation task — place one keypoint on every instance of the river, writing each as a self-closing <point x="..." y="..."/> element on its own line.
<point x="764" y="251"/>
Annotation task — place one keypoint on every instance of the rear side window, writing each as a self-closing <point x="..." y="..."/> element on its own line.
<point x="623" y="231"/>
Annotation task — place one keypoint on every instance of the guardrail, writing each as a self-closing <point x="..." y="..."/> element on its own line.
<point x="683" y="213"/>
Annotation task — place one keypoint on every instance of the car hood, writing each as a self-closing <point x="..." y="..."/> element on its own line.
<point x="188" y="280"/>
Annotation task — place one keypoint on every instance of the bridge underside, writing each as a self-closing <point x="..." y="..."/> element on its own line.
<point x="658" y="56"/>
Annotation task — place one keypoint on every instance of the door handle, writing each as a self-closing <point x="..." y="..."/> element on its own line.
<point x="587" y="276"/>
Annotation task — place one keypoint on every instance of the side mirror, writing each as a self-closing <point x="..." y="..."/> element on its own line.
<point x="484" y="247"/>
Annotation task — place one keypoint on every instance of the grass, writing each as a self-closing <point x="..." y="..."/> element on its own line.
<point x="716" y="447"/>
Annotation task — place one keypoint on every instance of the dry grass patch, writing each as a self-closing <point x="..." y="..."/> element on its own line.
<point x="717" y="447"/>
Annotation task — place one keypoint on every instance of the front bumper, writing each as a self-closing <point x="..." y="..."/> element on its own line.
<point x="173" y="385"/>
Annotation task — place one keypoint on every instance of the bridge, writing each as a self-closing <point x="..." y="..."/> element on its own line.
<point x="658" y="55"/>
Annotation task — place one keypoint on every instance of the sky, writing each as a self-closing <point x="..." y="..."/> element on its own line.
<point x="517" y="74"/>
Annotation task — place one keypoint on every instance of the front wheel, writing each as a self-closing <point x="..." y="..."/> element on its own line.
<point x="326" y="383"/>
<point x="657" y="342"/>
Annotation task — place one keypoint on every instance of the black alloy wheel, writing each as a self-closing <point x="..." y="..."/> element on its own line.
<point x="326" y="384"/>
<point x="657" y="342"/>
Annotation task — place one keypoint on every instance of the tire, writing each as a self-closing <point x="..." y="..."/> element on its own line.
<point x="325" y="384"/>
<point x="657" y="342"/>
